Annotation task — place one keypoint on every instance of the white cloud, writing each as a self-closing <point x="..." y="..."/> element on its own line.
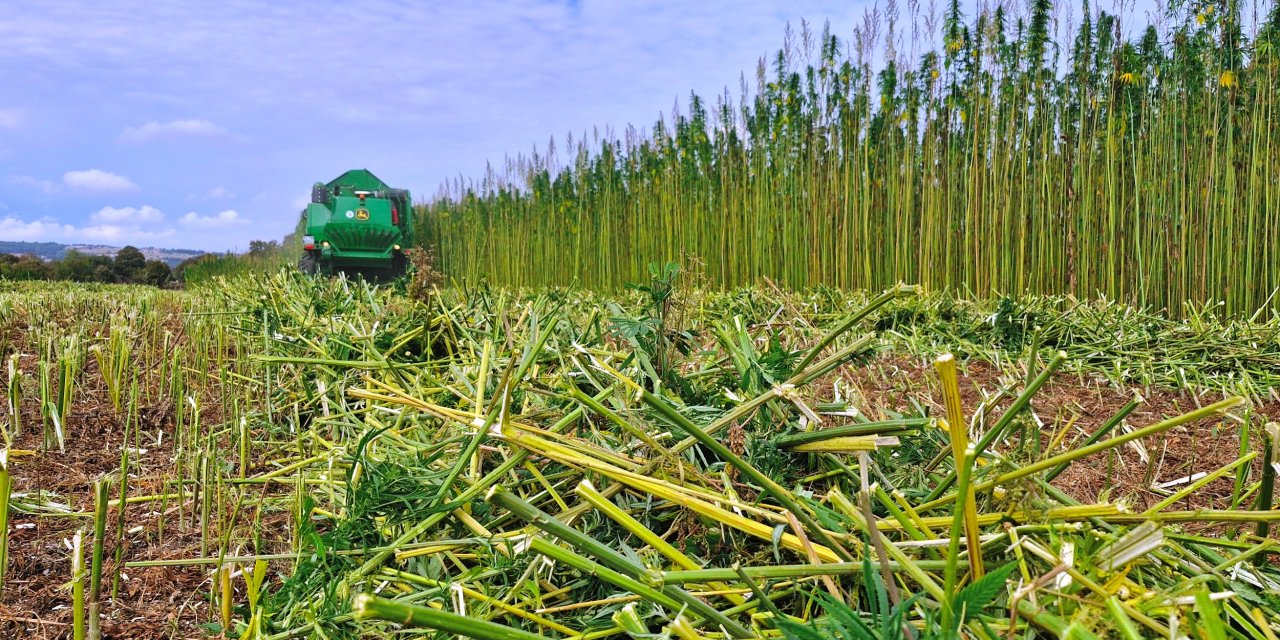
<point x="10" y="118"/>
<point x="173" y="129"/>
<point x="140" y="226"/>
<point x="44" y="186"/>
<point x="15" y="229"/>
<point x="97" y="181"/>
<point x="108" y="225"/>
<point x="222" y="219"/>
<point x="134" y="215"/>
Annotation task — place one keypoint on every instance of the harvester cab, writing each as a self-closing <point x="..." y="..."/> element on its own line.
<point x="357" y="224"/>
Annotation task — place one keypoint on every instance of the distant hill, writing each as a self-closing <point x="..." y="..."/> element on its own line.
<point x="46" y="250"/>
<point x="55" y="251"/>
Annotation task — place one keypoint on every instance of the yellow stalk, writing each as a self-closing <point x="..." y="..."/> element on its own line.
<point x="576" y="445"/>
<point x="845" y="506"/>
<point x="1261" y="620"/>
<point x="576" y="459"/>
<point x="482" y="380"/>
<point x="1069" y="514"/>
<point x="588" y="492"/>
<point x="970" y="507"/>
<point x="812" y="556"/>
<point x="1017" y="552"/>
<point x="683" y="630"/>
<point x="545" y="485"/>
<point x="1062" y="433"/>
<point x="587" y="604"/>
<point x="430" y="550"/>
<point x="915" y="517"/>
<point x="1193" y="487"/>
<point x="496" y="604"/>
<point x="640" y="434"/>
<point x="911" y="528"/>
<point x="946" y="366"/>
<point x="848" y="444"/>
<point x="224" y="581"/>
<point x="730" y="519"/>
<point x="669" y="492"/>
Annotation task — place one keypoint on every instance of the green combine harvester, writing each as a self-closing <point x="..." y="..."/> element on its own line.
<point x="357" y="224"/>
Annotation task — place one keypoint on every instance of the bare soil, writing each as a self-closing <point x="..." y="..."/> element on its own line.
<point x="159" y="602"/>
<point x="1129" y="474"/>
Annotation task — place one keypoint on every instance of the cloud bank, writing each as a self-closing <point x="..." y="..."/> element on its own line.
<point x="140" y="225"/>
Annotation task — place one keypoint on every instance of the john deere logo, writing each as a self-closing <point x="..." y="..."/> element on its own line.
<point x="362" y="214"/>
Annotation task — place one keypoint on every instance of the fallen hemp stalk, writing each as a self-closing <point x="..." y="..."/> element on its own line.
<point x="345" y="462"/>
<point x="563" y="487"/>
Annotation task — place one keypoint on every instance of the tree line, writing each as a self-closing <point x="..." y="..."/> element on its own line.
<point x="129" y="266"/>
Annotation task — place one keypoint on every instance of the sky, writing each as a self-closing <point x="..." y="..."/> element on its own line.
<point x="202" y="125"/>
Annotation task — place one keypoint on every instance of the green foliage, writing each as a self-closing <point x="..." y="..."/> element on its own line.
<point x="1010" y="324"/>
<point x="884" y="622"/>
<point x="263" y="256"/>
<point x="320" y="571"/>
<point x="155" y="273"/>
<point x="23" y="268"/>
<point x="129" y="263"/>
<point x="978" y="595"/>
<point x="81" y="267"/>
<point x="204" y="268"/>
<point x="651" y="332"/>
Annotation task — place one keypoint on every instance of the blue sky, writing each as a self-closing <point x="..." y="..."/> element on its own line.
<point x="203" y="124"/>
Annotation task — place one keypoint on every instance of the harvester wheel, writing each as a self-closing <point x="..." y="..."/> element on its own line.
<point x="307" y="264"/>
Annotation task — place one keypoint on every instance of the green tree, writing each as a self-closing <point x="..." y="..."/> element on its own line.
<point x="75" y="266"/>
<point x="26" y="267"/>
<point x="103" y="273"/>
<point x="156" y="273"/>
<point x="129" y="264"/>
<point x="259" y="247"/>
<point x="7" y="260"/>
